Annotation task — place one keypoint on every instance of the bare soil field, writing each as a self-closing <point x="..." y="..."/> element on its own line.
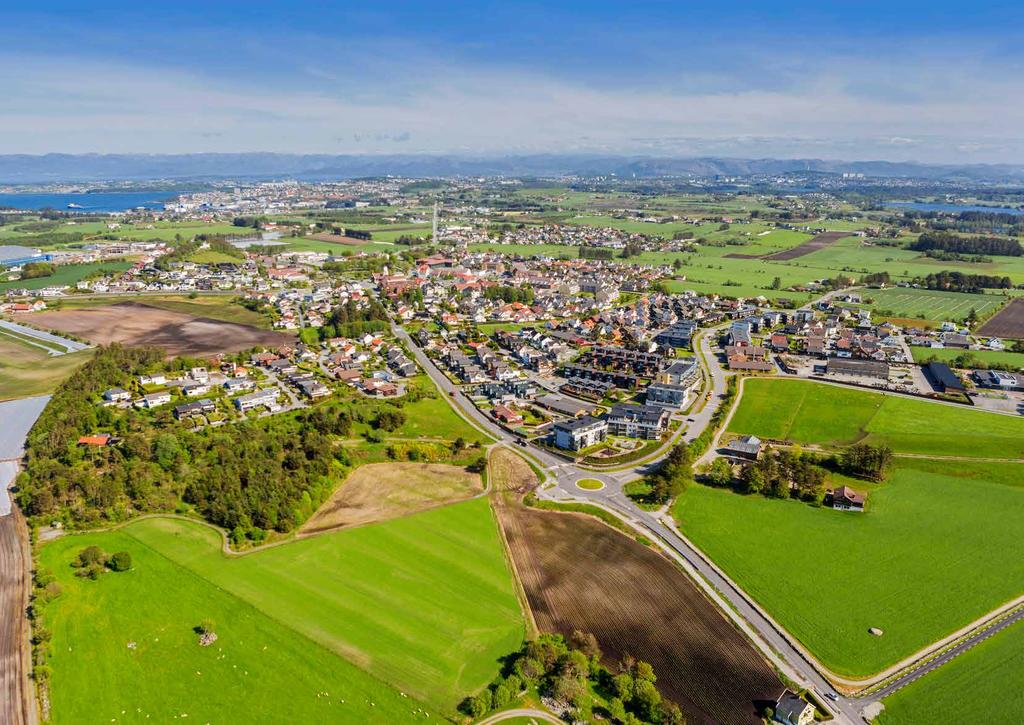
<point x="339" y="239"/>
<point x="382" y="491"/>
<point x="819" y="241"/>
<point x="17" y="700"/>
<point x="131" y="323"/>
<point x="1008" y="322"/>
<point x="580" y="574"/>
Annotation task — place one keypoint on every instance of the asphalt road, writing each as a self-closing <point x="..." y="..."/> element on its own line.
<point x="773" y="641"/>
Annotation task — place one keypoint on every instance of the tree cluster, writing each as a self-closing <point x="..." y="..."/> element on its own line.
<point x="35" y="270"/>
<point x="572" y="674"/>
<point x="864" y="460"/>
<point x="596" y="253"/>
<point x="962" y="282"/>
<point x="508" y="293"/>
<point x="947" y="242"/>
<point x="93" y="561"/>
<point x="353" y="319"/>
<point x="671" y="478"/>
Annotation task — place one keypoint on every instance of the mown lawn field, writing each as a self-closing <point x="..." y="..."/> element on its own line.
<point x="918" y="564"/>
<point x="814" y="413"/>
<point x="257" y="666"/>
<point x="27" y="370"/>
<point x="66" y="275"/>
<point x="981" y="685"/>
<point x="425" y="603"/>
<point x="985" y="357"/>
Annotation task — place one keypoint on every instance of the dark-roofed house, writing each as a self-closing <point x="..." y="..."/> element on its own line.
<point x="791" y="709"/>
<point x="572" y="435"/>
<point x="747" y="447"/>
<point x="564" y="405"/>
<point x="845" y="498"/>
<point x="943" y="378"/>
<point x="638" y="421"/>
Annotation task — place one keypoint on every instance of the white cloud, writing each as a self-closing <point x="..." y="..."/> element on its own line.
<point x="56" y="104"/>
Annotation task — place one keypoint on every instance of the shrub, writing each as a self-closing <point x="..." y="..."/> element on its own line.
<point x="121" y="561"/>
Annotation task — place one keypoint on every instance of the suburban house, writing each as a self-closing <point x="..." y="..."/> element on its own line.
<point x="572" y="435"/>
<point x="747" y="447"/>
<point x="154" y="400"/>
<point x="198" y="407"/>
<point x="638" y="421"/>
<point x="793" y="710"/>
<point x="507" y="416"/>
<point x="249" y="401"/>
<point x="116" y="395"/>
<point x="97" y="439"/>
<point x="998" y="380"/>
<point x="845" y="498"/>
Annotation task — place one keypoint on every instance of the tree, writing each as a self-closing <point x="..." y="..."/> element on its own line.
<point x="617" y="710"/>
<point x="206" y="626"/>
<point x="121" y="561"/>
<point x="390" y="420"/>
<point x="720" y="473"/>
<point x="586" y="643"/>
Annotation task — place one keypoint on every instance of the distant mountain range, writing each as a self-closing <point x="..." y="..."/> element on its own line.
<point x="26" y="169"/>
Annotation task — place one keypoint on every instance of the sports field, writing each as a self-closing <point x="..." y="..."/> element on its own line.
<point x="815" y="413"/>
<point x="425" y="603"/>
<point x="981" y="685"/>
<point x="917" y="565"/>
<point x="933" y="305"/>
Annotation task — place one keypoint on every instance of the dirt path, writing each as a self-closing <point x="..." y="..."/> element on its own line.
<point x="17" y="698"/>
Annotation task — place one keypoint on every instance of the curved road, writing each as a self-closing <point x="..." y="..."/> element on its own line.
<point x="775" y="643"/>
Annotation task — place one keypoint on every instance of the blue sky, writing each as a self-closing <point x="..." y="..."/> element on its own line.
<point x="899" y="80"/>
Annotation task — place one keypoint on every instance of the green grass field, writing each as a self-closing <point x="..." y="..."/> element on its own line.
<point x="66" y="275"/>
<point x="990" y="357"/>
<point x="216" y="307"/>
<point x="27" y="370"/>
<point x="918" y="564"/>
<point x="815" y="413"/>
<point x="256" y="665"/>
<point x="981" y="685"/>
<point x="424" y="603"/>
<point x="932" y="305"/>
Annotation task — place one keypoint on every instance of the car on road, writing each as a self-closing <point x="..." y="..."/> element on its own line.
<point x="521" y="442"/>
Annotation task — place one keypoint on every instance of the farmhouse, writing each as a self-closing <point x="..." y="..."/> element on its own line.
<point x="638" y="421"/>
<point x="845" y="498"/>
<point x="579" y="433"/>
<point x="98" y="439"/>
<point x="747" y="447"/>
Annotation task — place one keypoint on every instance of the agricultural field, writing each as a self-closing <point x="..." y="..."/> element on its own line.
<point x="67" y="275"/>
<point x="15" y="585"/>
<point x="808" y="412"/>
<point x="1008" y="322"/>
<point x="930" y="305"/>
<point x="382" y="491"/>
<point x="579" y="573"/>
<point x="128" y="640"/>
<point x="27" y="370"/>
<point x="424" y="603"/>
<point x="982" y="684"/>
<point x="178" y="333"/>
<point x="917" y="564"/>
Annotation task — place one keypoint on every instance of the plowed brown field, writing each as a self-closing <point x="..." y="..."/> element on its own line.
<point x="17" y="701"/>
<point x="580" y="574"/>
<point x="136" y="324"/>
